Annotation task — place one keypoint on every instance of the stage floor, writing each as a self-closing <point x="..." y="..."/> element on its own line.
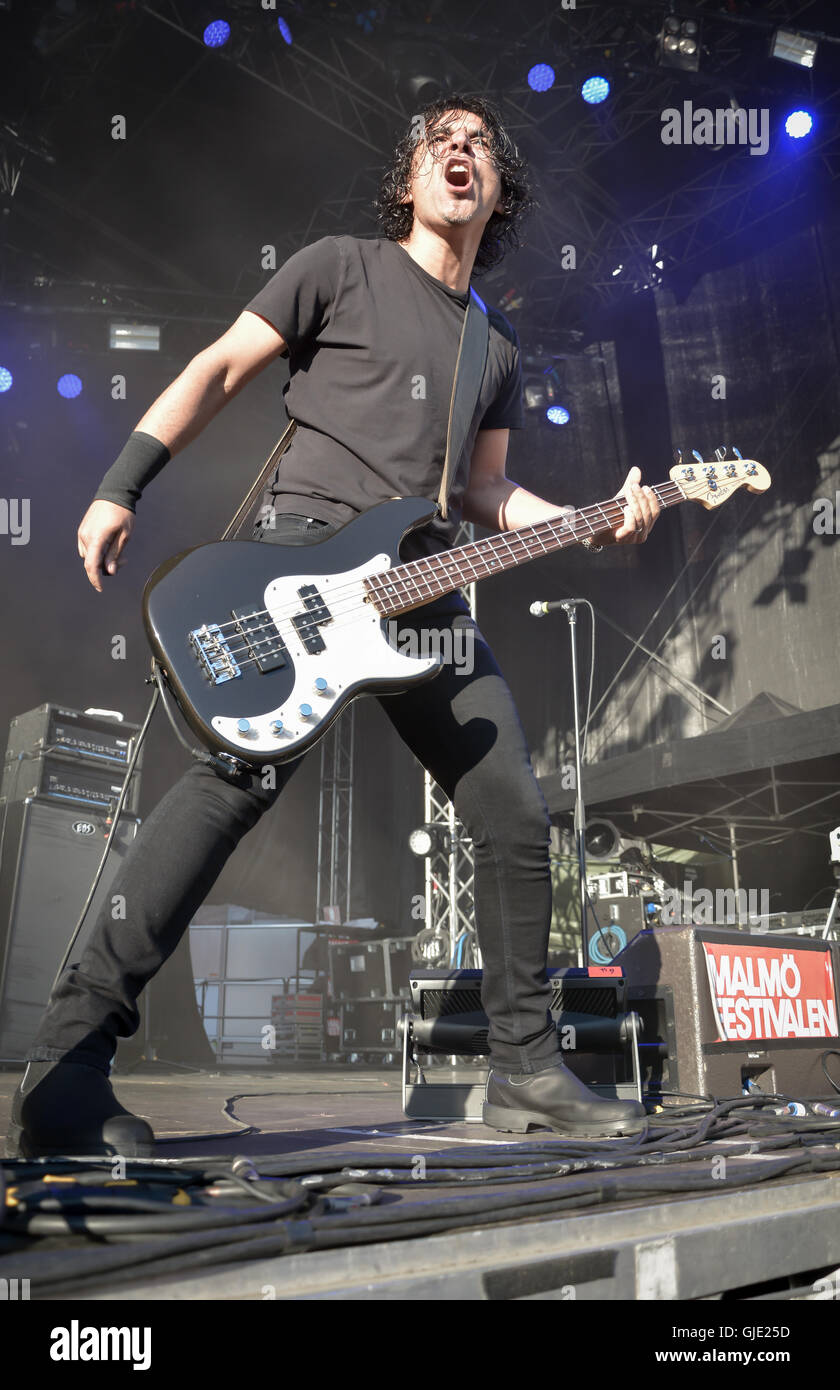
<point x="684" y="1246"/>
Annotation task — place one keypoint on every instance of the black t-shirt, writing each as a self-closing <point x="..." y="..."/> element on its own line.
<point x="372" y="341"/>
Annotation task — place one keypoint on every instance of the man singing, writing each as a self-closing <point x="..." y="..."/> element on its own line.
<point x="362" y="321"/>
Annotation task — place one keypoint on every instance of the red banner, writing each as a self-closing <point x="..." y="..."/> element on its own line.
<point x="761" y="992"/>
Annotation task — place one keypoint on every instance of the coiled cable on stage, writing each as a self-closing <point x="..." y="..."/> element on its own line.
<point x="177" y="1216"/>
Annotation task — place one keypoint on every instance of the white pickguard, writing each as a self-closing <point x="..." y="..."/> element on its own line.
<point x="357" y="651"/>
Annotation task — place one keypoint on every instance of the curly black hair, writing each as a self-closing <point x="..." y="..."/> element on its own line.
<point x="502" y="231"/>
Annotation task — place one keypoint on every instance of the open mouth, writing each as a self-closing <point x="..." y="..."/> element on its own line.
<point x="457" y="174"/>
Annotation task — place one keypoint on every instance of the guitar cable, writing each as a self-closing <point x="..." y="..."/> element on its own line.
<point x="219" y="763"/>
<point x="117" y="812"/>
<point x="158" y="680"/>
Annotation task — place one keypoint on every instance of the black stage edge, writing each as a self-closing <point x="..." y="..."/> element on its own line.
<point x="774" y="1241"/>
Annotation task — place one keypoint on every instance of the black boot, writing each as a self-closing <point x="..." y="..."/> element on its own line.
<point x="67" y="1108"/>
<point x="556" y="1099"/>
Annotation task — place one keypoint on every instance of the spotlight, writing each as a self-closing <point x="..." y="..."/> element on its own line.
<point x="429" y="839"/>
<point x="136" y="337"/>
<point x="284" y="30"/>
<point x="799" y="124"/>
<point x="69" y="386"/>
<point x="542" y="381"/>
<point x="557" y="415"/>
<point x="6" y="379"/>
<point x="679" y="43"/>
<point x="217" y="34"/>
<point x="595" y="90"/>
<point x="534" y="394"/>
<point x="793" y="48"/>
<point x="601" y="840"/>
<point x="541" y="77"/>
<point x="539" y="389"/>
<point x="420" y="72"/>
<point x="424" y="87"/>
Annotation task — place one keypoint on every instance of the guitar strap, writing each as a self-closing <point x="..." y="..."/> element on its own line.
<point x="466" y="385"/>
<point x="247" y="502"/>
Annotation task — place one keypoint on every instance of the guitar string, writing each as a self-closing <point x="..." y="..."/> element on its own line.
<point x="437" y="570"/>
<point x="522" y="537"/>
<point x="515" y="544"/>
<point x="438" y="565"/>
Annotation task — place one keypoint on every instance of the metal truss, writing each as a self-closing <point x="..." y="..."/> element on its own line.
<point x="730" y="203"/>
<point x="337" y="85"/>
<point x="448" y="936"/>
<point x="349" y="70"/>
<point x="564" y="143"/>
<point x="335" y="818"/>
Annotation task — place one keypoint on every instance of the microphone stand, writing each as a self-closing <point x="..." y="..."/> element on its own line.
<point x="570" y="607"/>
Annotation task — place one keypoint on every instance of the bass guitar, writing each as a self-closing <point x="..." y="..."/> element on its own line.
<point x="263" y="645"/>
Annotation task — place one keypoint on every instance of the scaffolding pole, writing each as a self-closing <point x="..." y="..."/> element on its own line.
<point x="449" y="935"/>
<point x="335" y="820"/>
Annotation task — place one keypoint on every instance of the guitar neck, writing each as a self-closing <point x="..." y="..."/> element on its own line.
<point x="408" y="586"/>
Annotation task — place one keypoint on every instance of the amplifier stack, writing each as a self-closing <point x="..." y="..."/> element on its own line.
<point x="62" y="775"/>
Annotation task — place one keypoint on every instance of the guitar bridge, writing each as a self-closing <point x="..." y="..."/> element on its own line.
<point x="214" y="655"/>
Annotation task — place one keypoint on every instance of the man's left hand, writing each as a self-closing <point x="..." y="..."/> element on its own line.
<point x="640" y="513"/>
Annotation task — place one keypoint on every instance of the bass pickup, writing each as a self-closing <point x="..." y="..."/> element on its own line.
<point x="264" y="643"/>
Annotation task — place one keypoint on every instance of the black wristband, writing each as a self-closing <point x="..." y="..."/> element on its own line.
<point x="140" y="461"/>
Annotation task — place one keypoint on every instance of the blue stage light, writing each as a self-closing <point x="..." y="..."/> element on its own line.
<point x="595" y="90"/>
<point x="217" y="33"/>
<point x="799" y="123"/>
<point x="69" y="386"/>
<point x="284" y="30"/>
<point x="541" y="77"/>
<point x="6" y="379"/>
<point x="557" y="415"/>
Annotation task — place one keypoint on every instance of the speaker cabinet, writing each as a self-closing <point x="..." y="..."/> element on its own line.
<point x="727" y="1010"/>
<point x="620" y="918"/>
<point x="48" y="856"/>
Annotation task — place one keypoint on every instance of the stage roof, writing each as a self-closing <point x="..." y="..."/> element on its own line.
<point x="769" y="770"/>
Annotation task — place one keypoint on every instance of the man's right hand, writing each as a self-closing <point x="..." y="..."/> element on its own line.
<point x="103" y="535"/>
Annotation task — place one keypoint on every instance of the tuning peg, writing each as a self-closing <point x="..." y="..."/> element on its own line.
<point x="720" y="453"/>
<point x="737" y="452"/>
<point x="678" y="456"/>
<point x="699" y="457"/>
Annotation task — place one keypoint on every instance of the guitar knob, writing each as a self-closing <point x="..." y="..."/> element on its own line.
<point x="305" y="711"/>
<point x="321" y="686"/>
<point x="244" y="726"/>
<point x="276" y="726"/>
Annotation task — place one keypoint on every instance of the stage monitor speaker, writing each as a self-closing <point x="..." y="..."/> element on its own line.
<point x="724" y="1010"/>
<point x="619" y="919"/>
<point x="48" y="857"/>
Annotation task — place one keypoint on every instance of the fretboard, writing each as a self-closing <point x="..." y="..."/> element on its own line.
<point x="419" y="581"/>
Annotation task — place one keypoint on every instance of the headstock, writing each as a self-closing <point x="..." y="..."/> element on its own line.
<point x="712" y="481"/>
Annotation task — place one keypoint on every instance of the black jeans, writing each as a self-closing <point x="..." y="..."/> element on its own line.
<point x="463" y="727"/>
